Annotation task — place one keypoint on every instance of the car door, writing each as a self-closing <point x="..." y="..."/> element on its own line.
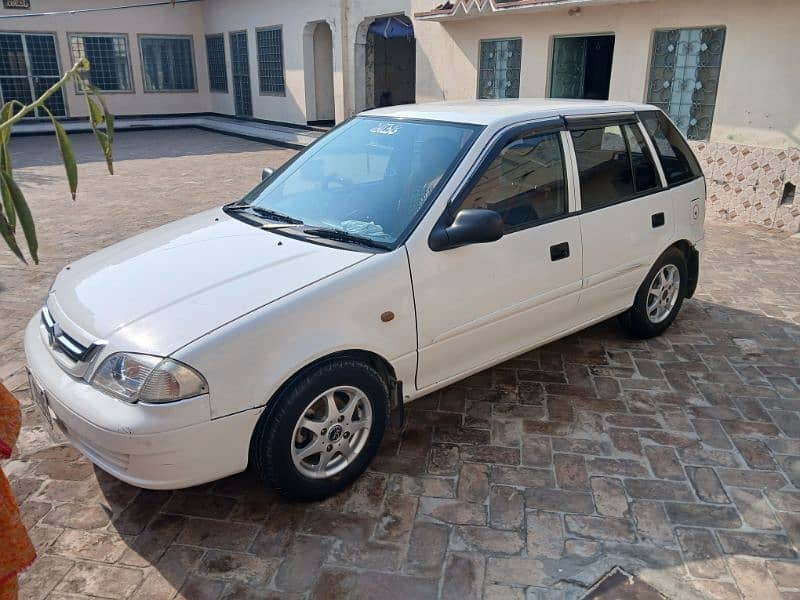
<point x="626" y="217"/>
<point x="478" y="304"/>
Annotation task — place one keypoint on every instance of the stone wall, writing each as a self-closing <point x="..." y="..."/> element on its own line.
<point x="749" y="184"/>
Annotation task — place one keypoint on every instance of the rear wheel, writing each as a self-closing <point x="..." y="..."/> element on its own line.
<point x="319" y="434"/>
<point x="659" y="298"/>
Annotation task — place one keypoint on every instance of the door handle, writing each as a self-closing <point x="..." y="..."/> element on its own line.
<point x="657" y="220"/>
<point x="559" y="251"/>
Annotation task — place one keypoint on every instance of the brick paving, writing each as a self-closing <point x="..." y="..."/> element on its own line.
<point x="677" y="459"/>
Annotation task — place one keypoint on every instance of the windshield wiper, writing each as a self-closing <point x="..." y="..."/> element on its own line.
<point x="340" y="235"/>
<point x="266" y="213"/>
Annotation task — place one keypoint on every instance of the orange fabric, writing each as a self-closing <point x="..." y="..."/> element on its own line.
<point x="16" y="549"/>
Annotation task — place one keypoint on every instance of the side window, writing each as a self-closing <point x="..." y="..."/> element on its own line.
<point x="645" y="176"/>
<point x="676" y="157"/>
<point x="524" y="183"/>
<point x="604" y="167"/>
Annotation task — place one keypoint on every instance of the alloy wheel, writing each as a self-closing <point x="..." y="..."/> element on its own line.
<point x="663" y="293"/>
<point x="331" y="432"/>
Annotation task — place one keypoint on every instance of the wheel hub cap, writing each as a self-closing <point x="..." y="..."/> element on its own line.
<point x="331" y="432"/>
<point x="335" y="433"/>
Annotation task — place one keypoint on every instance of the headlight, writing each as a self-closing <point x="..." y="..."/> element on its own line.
<point x="145" y="378"/>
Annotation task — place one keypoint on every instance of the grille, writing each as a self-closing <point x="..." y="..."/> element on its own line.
<point x="63" y="343"/>
<point x="28" y="67"/>
<point x="108" y="57"/>
<point x="215" y="50"/>
<point x="270" y="61"/>
<point x="168" y="63"/>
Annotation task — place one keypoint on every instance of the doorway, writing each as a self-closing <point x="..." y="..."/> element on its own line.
<point x="318" y="68"/>
<point x="386" y="60"/>
<point x="28" y="67"/>
<point x="582" y="67"/>
<point x="392" y="47"/>
<point x="240" y="70"/>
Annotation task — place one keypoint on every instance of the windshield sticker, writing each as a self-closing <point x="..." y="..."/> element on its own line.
<point x="385" y="129"/>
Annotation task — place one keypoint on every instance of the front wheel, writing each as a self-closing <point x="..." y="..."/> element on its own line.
<point x="659" y="298"/>
<point x="319" y="434"/>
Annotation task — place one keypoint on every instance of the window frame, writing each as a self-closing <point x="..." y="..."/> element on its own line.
<point x="190" y="37"/>
<point x="74" y="58"/>
<point x="521" y="55"/>
<point x="212" y="89"/>
<point x="281" y="94"/>
<point x="580" y="123"/>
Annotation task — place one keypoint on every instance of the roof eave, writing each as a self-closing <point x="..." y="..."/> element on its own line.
<point x="473" y="9"/>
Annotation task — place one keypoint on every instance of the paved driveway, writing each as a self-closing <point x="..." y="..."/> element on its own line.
<point x="677" y="459"/>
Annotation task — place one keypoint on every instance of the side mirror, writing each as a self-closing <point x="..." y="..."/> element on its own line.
<point x="471" y="226"/>
<point x="267" y="173"/>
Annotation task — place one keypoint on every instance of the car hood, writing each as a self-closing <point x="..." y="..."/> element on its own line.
<point x="164" y="288"/>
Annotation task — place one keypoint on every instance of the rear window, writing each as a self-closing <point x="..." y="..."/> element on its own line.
<point x="677" y="159"/>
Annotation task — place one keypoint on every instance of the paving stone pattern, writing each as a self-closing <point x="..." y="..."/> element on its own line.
<point x="677" y="458"/>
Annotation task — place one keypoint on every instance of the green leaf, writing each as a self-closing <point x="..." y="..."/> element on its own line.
<point x="67" y="154"/>
<point x="24" y="215"/>
<point x="8" y="205"/>
<point x="5" y="114"/>
<point x="104" y="139"/>
<point x="95" y="114"/>
<point x="8" y="236"/>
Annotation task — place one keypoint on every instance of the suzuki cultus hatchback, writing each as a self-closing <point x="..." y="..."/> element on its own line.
<point x="406" y="249"/>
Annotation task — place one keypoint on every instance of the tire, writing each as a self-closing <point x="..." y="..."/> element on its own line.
<point x="645" y="320"/>
<point x="338" y="446"/>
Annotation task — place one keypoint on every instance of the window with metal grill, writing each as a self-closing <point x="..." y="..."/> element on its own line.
<point x="500" y="63"/>
<point x="167" y="63"/>
<point x="684" y="76"/>
<point x="108" y="58"/>
<point x="270" y="61"/>
<point x="28" y="67"/>
<point x="217" y="74"/>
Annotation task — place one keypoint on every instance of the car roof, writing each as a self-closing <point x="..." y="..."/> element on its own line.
<point x="499" y="112"/>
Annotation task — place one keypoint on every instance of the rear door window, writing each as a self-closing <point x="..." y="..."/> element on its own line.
<point x="604" y="166"/>
<point x="676" y="157"/>
<point x="614" y="164"/>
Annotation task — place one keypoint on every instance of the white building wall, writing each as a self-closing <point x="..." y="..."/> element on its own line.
<point x="182" y="19"/>
<point x="225" y="16"/>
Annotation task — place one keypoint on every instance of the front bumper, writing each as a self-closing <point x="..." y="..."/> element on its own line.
<point x="166" y="446"/>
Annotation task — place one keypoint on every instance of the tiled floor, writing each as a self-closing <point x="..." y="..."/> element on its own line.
<point x="677" y="459"/>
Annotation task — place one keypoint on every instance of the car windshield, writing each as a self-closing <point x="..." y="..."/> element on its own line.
<point x="370" y="178"/>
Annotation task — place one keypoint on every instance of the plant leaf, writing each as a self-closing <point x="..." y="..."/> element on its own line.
<point x="5" y="115"/>
<point x="24" y="215"/>
<point x="95" y="114"/>
<point x="8" y="205"/>
<point x="8" y="236"/>
<point x="104" y="139"/>
<point x="67" y="154"/>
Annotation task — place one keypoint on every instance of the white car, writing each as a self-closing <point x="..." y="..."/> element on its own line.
<point x="406" y="249"/>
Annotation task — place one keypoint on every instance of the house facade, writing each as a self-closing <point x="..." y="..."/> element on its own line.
<point x="722" y="69"/>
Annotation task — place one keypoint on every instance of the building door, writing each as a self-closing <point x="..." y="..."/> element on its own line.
<point x="240" y="70"/>
<point x="28" y="67"/>
<point x="582" y="67"/>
